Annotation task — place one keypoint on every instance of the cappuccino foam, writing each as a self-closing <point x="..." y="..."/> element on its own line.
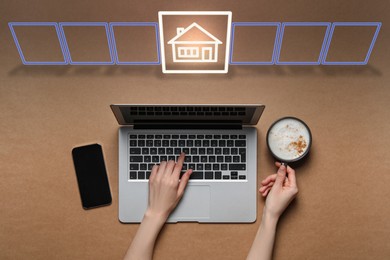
<point x="288" y="139"/>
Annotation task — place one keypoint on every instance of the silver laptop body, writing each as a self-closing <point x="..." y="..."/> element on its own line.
<point x="221" y="145"/>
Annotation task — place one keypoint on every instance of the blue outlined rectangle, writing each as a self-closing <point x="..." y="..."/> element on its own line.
<point x="376" y="24"/>
<point x="24" y="61"/>
<point x="70" y="24"/>
<point x="116" y="56"/>
<point x="254" y="24"/>
<point x="305" y="24"/>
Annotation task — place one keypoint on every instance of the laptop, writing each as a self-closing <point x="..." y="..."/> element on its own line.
<point x="220" y="143"/>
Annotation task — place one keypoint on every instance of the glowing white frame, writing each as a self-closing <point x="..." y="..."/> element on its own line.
<point x="227" y="44"/>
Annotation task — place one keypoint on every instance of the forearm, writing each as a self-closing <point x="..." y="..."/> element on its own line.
<point x="143" y="243"/>
<point x="264" y="242"/>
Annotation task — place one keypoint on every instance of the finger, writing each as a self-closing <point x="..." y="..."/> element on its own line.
<point x="154" y="172"/>
<point x="269" y="178"/>
<point x="280" y="175"/>
<point x="179" y="165"/>
<point x="183" y="182"/>
<point x="161" y="169"/>
<point x="277" y="164"/>
<point x="265" y="193"/>
<point x="169" y="168"/>
<point x="269" y="185"/>
<point x="291" y="176"/>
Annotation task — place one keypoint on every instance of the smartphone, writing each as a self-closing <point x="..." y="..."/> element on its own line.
<point x="91" y="176"/>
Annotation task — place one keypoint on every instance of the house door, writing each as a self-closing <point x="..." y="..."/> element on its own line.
<point x="207" y="54"/>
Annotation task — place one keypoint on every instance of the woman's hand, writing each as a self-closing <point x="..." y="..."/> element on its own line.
<point x="166" y="187"/>
<point x="281" y="190"/>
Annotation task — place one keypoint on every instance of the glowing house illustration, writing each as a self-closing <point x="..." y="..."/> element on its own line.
<point x="194" y="44"/>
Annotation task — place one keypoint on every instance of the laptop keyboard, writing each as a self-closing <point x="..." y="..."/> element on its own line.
<point x="211" y="157"/>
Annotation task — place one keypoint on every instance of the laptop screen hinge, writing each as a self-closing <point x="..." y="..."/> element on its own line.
<point x="187" y="125"/>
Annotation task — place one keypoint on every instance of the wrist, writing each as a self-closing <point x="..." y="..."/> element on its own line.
<point x="269" y="219"/>
<point x="156" y="216"/>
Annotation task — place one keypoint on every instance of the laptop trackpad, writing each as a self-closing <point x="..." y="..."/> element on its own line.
<point x="194" y="206"/>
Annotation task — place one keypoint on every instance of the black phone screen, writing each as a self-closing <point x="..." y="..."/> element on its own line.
<point x="91" y="176"/>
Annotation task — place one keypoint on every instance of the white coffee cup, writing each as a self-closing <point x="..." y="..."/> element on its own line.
<point x="289" y="139"/>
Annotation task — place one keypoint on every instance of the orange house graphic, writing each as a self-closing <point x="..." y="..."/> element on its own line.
<point x="194" y="44"/>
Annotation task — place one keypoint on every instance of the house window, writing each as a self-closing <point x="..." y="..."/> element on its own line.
<point x="188" y="52"/>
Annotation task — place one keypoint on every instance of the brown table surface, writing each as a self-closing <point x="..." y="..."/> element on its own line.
<point x="342" y="209"/>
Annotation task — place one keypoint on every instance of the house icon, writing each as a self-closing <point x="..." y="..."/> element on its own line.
<point x="194" y="44"/>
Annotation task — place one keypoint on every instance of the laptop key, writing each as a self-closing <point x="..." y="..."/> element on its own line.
<point x="240" y="143"/>
<point x="226" y="177"/>
<point x="173" y="143"/>
<point x="202" y="151"/>
<point x="196" y="175"/>
<point x="191" y="166"/>
<point x="194" y="151"/>
<point x="141" y="175"/>
<point x="234" y="150"/>
<point x="153" y="150"/>
<point x="150" y="166"/>
<point x="218" y="151"/>
<point x="195" y="158"/>
<point x="199" y="167"/>
<point x="147" y="158"/>
<point x="226" y="151"/>
<point x="134" y="167"/>
<point x="145" y="150"/>
<point x="207" y="167"/>
<point x="220" y="158"/>
<point x="177" y="151"/>
<point x="163" y="158"/>
<point x="149" y="136"/>
<point x="148" y="175"/>
<point x="203" y="159"/>
<point x="224" y="167"/>
<point x="214" y="143"/>
<point x="171" y="157"/>
<point x="216" y="167"/>
<point x="161" y="150"/>
<point x="135" y="158"/>
<point x="133" y="136"/>
<point x="133" y="175"/>
<point x="169" y="150"/>
<point x="208" y="175"/>
<point x="236" y="158"/>
<point x="237" y="167"/>
<point x="187" y="159"/>
<point x="149" y="143"/>
<point x="167" y="136"/>
<point x="182" y="143"/>
<point x="230" y="143"/>
<point x="186" y="150"/>
<point x="155" y="159"/>
<point x="242" y="137"/>
<point x="198" y="143"/>
<point x="212" y="158"/>
<point x="210" y="150"/>
<point x="190" y="143"/>
<point x="157" y="143"/>
<point x="218" y="175"/>
<point x="143" y="166"/>
<point x="133" y="142"/>
<point x="165" y="143"/>
<point x="242" y="177"/>
<point x="228" y="158"/>
<point x="135" y="150"/>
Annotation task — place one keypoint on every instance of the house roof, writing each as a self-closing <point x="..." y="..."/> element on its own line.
<point x="181" y="37"/>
